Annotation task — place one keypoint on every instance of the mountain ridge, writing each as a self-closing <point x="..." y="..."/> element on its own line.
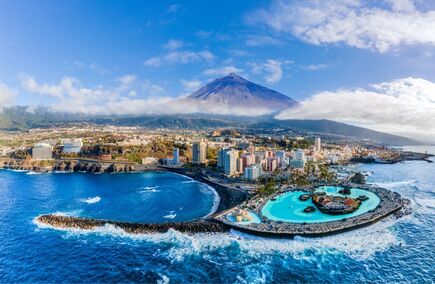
<point x="18" y="119"/>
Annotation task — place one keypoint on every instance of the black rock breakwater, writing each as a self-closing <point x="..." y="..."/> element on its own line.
<point x="192" y="227"/>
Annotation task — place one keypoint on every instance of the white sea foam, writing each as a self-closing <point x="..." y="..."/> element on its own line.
<point x="62" y="172"/>
<point x="358" y="244"/>
<point x="425" y="202"/>
<point x="164" y="280"/>
<point x="17" y="171"/>
<point x="91" y="200"/>
<point x="216" y="200"/>
<point x="395" y="184"/>
<point x="33" y="173"/>
<point x="171" y="215"/>
<point x="149" y="189"/>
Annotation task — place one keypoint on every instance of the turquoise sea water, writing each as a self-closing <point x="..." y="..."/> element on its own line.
<point x="288" y="208"/>
<point x="390" y="251"/>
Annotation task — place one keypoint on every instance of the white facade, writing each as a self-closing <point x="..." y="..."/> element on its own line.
<point x="280" y="154"/>
<point x="221" y="156"/>
<point x="176" y="158"/>
<point x="252" y="172"/>
<point x="42" y="151"/>
<point x="230" y="163"/>
<point x="72" y="145"/>
<point x="298" y="160"/>
<point x="299" y="155"/>
<point x="199" y="152"/>
<point x="317" y="144"/>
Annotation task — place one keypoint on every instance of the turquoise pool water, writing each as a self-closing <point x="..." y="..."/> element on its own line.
<point x="288" y="208"/>
<point x="255" y="219"/>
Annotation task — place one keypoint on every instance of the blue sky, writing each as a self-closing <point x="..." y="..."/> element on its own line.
<point x="149" y="50"/>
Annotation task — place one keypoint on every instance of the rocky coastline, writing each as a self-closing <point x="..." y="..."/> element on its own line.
<point x="71" y="165"/>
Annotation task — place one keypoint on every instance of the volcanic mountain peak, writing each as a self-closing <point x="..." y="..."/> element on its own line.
<point x="235" y="91"/>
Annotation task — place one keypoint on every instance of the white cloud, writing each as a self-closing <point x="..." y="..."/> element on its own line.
<point x="315" y="67"/>
<point x="271" y="69"/>
<point x="92" y="66"/>
<point x="404" y="105"/>
<point x="127" y="80"/>
<point x="173" y="44"/>
<point x="259" y="40"/>
<point x="122" y="99"/>
<point x="56" y="91"/>
<point x="151" y="88"/>
<point x="222" y="71"/>
<point x="7" y="96"/>
<point x="385" y="25"/>
<point x="98" y="69"/>
<point x="73" y="97"/>
<point x="181" y="57"/>
<point x="191" y="85"/>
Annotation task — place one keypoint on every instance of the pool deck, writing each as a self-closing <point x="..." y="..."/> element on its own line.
<point x="391" y="202"/>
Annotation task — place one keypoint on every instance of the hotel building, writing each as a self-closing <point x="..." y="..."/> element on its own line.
<point x="199" y="150"/>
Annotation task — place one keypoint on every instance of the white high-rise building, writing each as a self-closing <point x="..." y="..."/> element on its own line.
<point x="72" y="145"/>
<point x="317" y="144"/>
<point x="271" y="164"/>
<point x="298" y="160"/>
<point x="221" y="157"/>
<point x="199" y="150"/>
<point x="176" y="159"/>
<point x="252" y="172"/>
<point x="299" y="155"/>
<point x="280" y="154"/>
<point x="230" y="163"/>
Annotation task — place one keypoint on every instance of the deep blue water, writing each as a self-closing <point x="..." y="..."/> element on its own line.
<point x="389" y="251"/>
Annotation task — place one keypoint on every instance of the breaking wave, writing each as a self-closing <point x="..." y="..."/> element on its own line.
<point x="149" y="189"/>
<point x="171" y="215"/>
<point x="33" y="173"/>
<point x="359" y="244"/>
<point x="91" y="200"/>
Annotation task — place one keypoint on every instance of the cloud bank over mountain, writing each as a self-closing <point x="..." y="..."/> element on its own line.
<point x="405" y="106"/>
<point x="401" y="106"/>
<point x="7" y="96"/>
<point x="376" y="25"/>
<point x="71" y="96"/>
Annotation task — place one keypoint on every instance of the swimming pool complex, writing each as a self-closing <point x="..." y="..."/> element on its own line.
<point x="288" y="208"/>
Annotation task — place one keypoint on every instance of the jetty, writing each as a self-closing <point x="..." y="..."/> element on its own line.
<point x="192" y="227"/>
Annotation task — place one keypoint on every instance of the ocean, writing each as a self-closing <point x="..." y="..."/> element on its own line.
<point x="394" y="250"/>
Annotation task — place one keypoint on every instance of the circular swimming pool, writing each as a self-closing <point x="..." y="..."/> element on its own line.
<point x="255" y="219"/>
<point x="288" y="208"/>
